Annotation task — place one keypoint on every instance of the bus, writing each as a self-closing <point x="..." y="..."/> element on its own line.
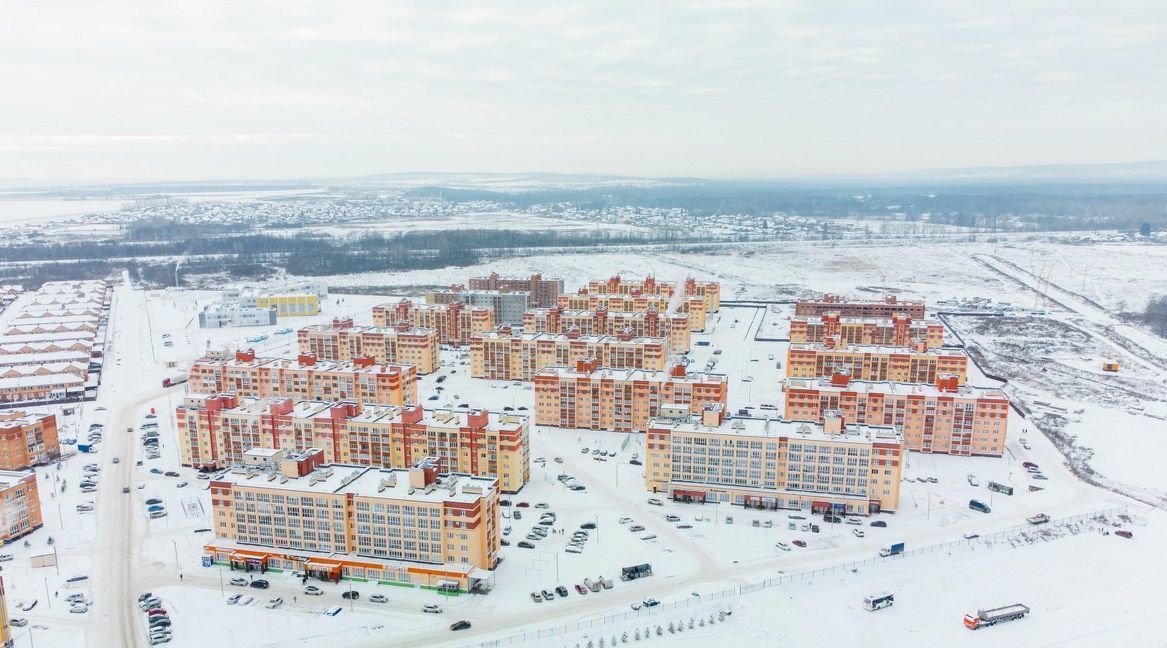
<point x="1000" y="488"/>
<point x="879" y="601"/>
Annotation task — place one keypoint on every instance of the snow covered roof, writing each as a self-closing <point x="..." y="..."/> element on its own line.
<point x="895" y="388"/>
<point x="779" y="428"/>
<point x="62" y="379"/>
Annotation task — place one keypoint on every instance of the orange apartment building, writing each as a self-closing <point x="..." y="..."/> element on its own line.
<point x="543" y="291"/>
<point x="673" y="327"/>
<point x="945" y="417"/>
<point x="419" y="526"/>
<point x="619" y="285"/>
<point x="503" y="355"/>
<point x="875" y="363"/>
<point x="455" y="323"/>
<point x="898" y="330"/>
<point x="774" y="464"/>
<point x="305" y="378"/>
<point x="20" y="504"/>
<point x="27" y="439"/>
<point x="219" y="429"/>
<point x="342" y="342"/>
<point x="694" y="305"/>
<point x="889" y="306"/>
<point x="710" y="291"/>
<point x="621" y="400"/>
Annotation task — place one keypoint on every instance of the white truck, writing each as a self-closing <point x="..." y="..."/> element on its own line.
<point x="985" y="618"/>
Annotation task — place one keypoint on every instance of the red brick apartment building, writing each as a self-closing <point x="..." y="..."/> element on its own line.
<point x="898" y="330"/>
<point x="844" y="307"/>
<point x="620" y="400"/>
<point x="944" y="417"/>
<point x="306" y="378"/>
<point x="341" y="342"/>
<point x="543" y="292"/>
<point x="455" y="323"/>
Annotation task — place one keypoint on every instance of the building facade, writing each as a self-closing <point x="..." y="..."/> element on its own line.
<point x="27" y="439"/>
<point x="889" y="306"/>
<point x="419" y="526"/>
<point x="503" y="355"/>
<point x="673" y="327"/>
<point x="875" y="364"/>
<point x="621" y="285"/>
<point x="20" y="504"/>
<point x="942" y="418"/>
<point x="897" y="330"/>
<point x="219" y="429"/>
<point x="305" y="378"/>
<point x="455" y="323"/>
<point x="543" y="292"/>
<point x="507" y="307"/>
<point x="775" y="464"/>
<point x="709" y="291"/>
<point x="401" y="344"/>
<point x="621" y="400"/>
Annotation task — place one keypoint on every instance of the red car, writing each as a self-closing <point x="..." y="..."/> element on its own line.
<point x="1028" y="464"/>
<point x="581" y="589"/>
<point x="799" y="543"/>
<point x="1126" y="534"/>
<point x="523" y="505"/>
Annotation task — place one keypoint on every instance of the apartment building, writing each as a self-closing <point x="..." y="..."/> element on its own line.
<point x="844" y="307"/>
<point x="418" y="526"/>
<point x="621" y="400"/>
<point x="5" y="631"/>
<point x="305" y="378"/>
<point x="543" y="292"/>
<point x="875" y="363"/>
<point x="27" y="439"/>
<point x="647" y="286"/>
<point x="897" y="330"/>
<point x="20" y="504"/>
<point x="455" y="323"/>
<point x="585" y="300"/>
<point x="504" y="355"/>
<point x="673" y="327"/>
<point x="219" y="429"/>
<point x="709" y="291"/>
<point x="944" y="417"/>
<point x="775" y="464"/>
<point x="507" y="307"/>
<point x="400" y="344"/>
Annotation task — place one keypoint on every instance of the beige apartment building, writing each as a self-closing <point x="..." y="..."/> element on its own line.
<point x="20" y="504"/>
<point x="503" y="355"/>
<point x="305" y="378"/>
<point x="455" y="323"/>
<point x="709" y="291"/>
<point x="621" y="400"/>
<point x="543" y="292"/>
<point x="845" y="307"/>
<point x="774" y="464"/>
<point x="400" y="344"/>
<point x="945" y="417"/>
<point x="217" y="430"/>
<point x="673" y="327"/>
<point x="585" y="300"/>
<point x="898" y="330"/>
<point x="621" y="285"/>
<point x="419" y="526"/>
<point x="875" y="363"/>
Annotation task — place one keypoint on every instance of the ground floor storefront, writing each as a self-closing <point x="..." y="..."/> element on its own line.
<point x="817" y="503"/>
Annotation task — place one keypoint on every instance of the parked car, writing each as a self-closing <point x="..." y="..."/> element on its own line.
<point x="78" y="608"/>
<point x="547" y="595"/>
<point x="526" y="545"/>
<point x="351" y="595"/>
<point x="561" y="591"/>
<point x="879" y="523"/>
<point x="581" y="589"/>
<point x="536" y="598"/>
<point x="636" y="527"/>
<point x="651" y="602"/>
<point x="378" y="598"/>
<point x="260" y="583"/>
<point x="1122" y="533"/>
<point x="239" y="582"/>
<point x="274" y="602"/>
<point x="18" y="622"/>
<point x="234" y="599"/>
<point x="782" y="545"/>
<point x="430" y="608"/>
<point x="460" y="625"/>
<point x="857" y="532"/>
<point x="655" y="501"/>
<point x="800" y="543"/>
<point x="312" y="590"/>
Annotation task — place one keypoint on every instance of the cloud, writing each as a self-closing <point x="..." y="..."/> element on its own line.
<point x="658" y="88"/>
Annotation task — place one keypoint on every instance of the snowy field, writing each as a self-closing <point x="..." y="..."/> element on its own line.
<point x="123" y="552"/>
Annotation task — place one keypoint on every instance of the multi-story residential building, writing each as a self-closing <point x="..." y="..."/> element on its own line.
<point x="503" y="355"/>
<point x="844" y="307"/>
<point x="27" y="439"/>
<point x="897" y="330"/>
<point x="218" y="429"/>
<point x="942" y="418"/>
<point x="341" y="342"/>
<point x="647" y="286"/>
<point x="584" y="300"/>
<point x="419" y="526"/>
<point x="710" y="291"/>
<point x="455" y="323"/>
<point x="775" y="464"/>
<point x="5" y="631"/>
<point x="20" y="504"/>
<point x="362" y="380"/>
<point x="673" y="327"/>
<point x="507" y="307"/>
<point x="620" y="400"/>
<point x="875" y="363"/>
<point x="543" y="292"/>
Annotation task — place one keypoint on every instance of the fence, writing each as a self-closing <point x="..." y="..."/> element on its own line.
<point x="1036" y="533"/>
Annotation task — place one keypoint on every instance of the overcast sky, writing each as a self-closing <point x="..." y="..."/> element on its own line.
<point x="716" y="89"/>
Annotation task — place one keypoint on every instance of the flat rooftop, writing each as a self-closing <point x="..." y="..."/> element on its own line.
<point x="365" y="481"/>
<point x="630" y="375"/>
<point x="563" y="337"/>
<point x="872" y="348"/>
<point x="778" y="428"/>
<point x="896" y="388"/>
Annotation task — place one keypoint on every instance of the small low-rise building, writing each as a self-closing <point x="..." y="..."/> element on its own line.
<point x="419" y="526"/>
<point x="233" y="314"/>
<point x="774" y="464"/>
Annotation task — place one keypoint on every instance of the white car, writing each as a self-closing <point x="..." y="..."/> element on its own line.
<point x="432" y="609"/>
<point x="312" y="590"/>
<point x="858" y="532"/>
<point x="274" y="603"/>
<point x="378" y="598"/>
<point x="79" y="608"/>
<point x="782" y="545"/>
<point x="245" y="600"/>
<point x="234" y="599"/>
